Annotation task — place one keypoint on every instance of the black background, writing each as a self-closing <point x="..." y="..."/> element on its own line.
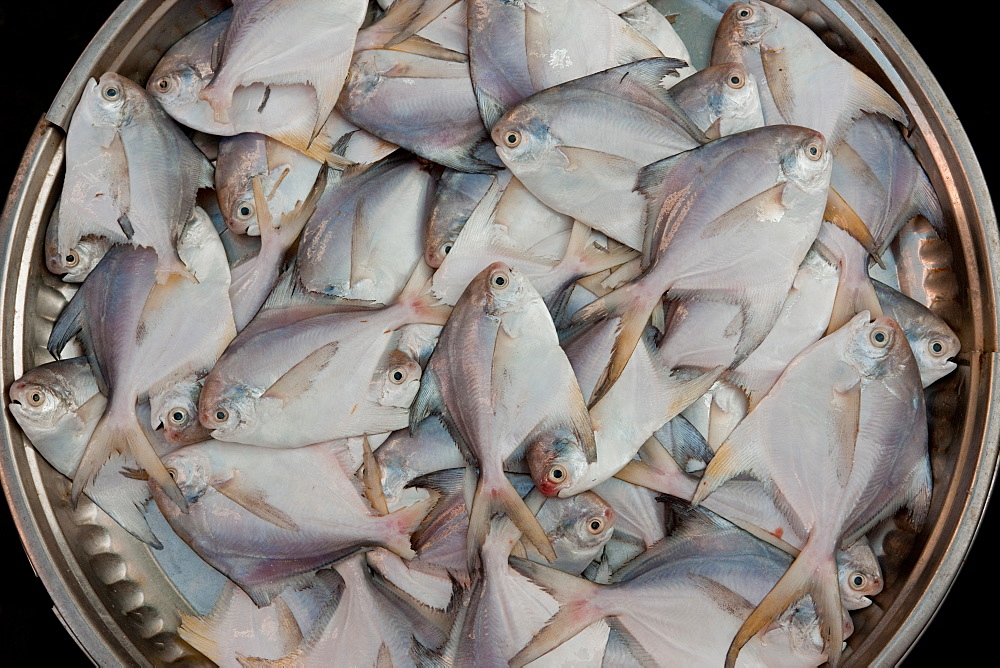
<point x="39" y="44"/>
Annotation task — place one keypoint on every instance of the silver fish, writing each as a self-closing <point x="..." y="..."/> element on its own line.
<point x="721" y="99"/>
<point x="859" y="453"/>
<point x="517" y="389"/>
<point x="455" y="197"/>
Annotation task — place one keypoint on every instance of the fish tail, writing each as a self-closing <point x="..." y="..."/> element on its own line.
<point x="632" y="304"/>
<point x="595" y="259"/>
<point x="501" y="497"/>
<point x="120" y="432"/>
<point x="417" y="293"/>
<point x="579" y="608"/>
<point x="813" y="572"/>
<point x="169" y="265"/>
<point x="406" y="521"/>
<point x="657" y="471"/>
<point x="851" y="300"/>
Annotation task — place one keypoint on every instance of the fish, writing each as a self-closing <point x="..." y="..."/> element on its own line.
<point x="188" y="67"/>
<point x="579" y="146"/>
<point x="287" y="177"/>
<point x="140" y="338"/>
<point x="721" y="99"/>
<point x="299" y="396"/>
<point x="702" y="247"/>
<point x="164" y="171"/>
<point x="261" y="516"/>
<point x="279" y="43"/>
<point x="58" y="406"/>
<point x="175" y="410"/>
<point x="498" y="58"/>
<point x="482" y="380"/>
<point x="437" y="119"/>
<point x="862" y="438"/>
<point x="932" y="341"/>
<point x="786" y="58"/>
<point x="76" y="265"/>
<point x="698" y="584"/>
<point x="455" y="198"/>
<point x="650" y="22"/>
<point x="365" y="238"/>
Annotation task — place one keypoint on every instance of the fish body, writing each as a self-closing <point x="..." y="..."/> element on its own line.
<point x="579" y="146"/>
<point x="262" y="517"/>
<point x="455" y="198"/>
<point x="516" y="389"/>
<point x="722" y="100"/>
<point x="861" y="443"/>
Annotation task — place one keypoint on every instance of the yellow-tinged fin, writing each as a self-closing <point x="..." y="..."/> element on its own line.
<point x="421" y="46"/>
<point x="300" y="377"/>
<point x="632" y="306"/>
<point x="850" y="301"/>
<point x="813" y="572"/>
<point x="122" y="433"/>
<point x="501" y="497"/>
<point x="417" y="292"/>
<point x="372" y="479"/>
<point x="841" y="214"/>
<point x="253" y="500"/>
<point x="737" y="455"/>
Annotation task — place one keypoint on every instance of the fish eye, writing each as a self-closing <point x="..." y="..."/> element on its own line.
<point x="72" y="259"/>
<point x="735" y="81"/>
<point x="111" y="92"/>
<point x="595" y="525"/>
<point x="173" y="473"/>
<point x="36" y="398"/>
<point x="397" y="375"/>
<point x="937" y="347"/>
<point x="500" y="279"/>
<point x="178" y="415"/>
<point x="512" y="138"/>
<point x="857" y="581"/>
<point x="880" y="337"/>
<point x="244" y="210"/>
<point x="163" y="84"/>
<point x="221" y="415"/>
<point x="557" y="474"/>
<point x="814" y="151"/>
<point x="446" y="248"/>
<point x="744" y="13"/>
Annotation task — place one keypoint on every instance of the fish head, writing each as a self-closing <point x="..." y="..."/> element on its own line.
<point x="877" y="349"/>
<point x="524" y="140"/>
<point x="240" y="159"/>
<point x="114" y="100"/>
<point x="227" y="410"/>
<point x="191" y="470"/>
<point x="500" y="289"/>
<point x="557" y="464"/>
<point x="584" y="522"/>
<point x="735" y="100"/>
<point x="805" y="159"/>
<point x="176" y="411"/>
<point x="934" y="346"/>
<point x="397" y="380"/>
<point x="860" y="575"/>
<point x="176" y="83"/>
<point x="47" y="394"/>
<point x="746" y="23"/>
<point x="74" y="265"/>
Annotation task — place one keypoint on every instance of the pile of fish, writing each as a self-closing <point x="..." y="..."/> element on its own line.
<point x="476" y="331"/>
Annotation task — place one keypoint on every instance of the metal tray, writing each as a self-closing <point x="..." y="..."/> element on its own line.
<point x="121" y="603"/>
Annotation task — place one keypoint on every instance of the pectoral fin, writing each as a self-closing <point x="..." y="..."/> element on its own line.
<point x="253" y="501"/>
<point x="841" y="214"/>
<point x="300" y="377"/>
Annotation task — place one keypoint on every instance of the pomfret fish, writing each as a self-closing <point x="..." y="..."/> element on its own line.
<point x="698" y="584"/>
<point x="721" y="99"/>
<point x="164" y="171"/>
<point x="578" y="147"/>
<point x="365" y="238"/>
<point x="262" y="518"/>
<point x="58" y="406"/>
<point x="423" y="104"/>
<point x="787" y="59"/>
<point x="494" y="401"/>
<point x="287" y="177"/>
<point x="279" y="42"/>
<point x="455" y="197"/>
<point x="265" y="390"/>
<point x="141" y="338"/>
<point x="175" y="409"/>
<point x="853" y="455"/>
<point x="702" y="246"/>
<point x="76" y="265"/>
